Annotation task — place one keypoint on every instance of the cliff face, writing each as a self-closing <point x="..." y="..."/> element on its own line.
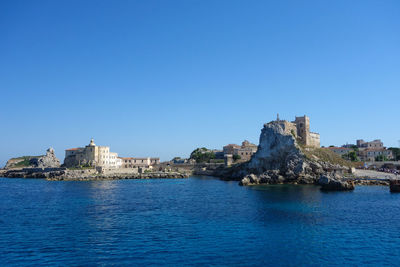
<point x="277" y="151"/>
<point x="281" y="159"/>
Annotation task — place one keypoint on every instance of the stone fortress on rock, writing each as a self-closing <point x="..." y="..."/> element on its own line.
<point x="300" y="129"/>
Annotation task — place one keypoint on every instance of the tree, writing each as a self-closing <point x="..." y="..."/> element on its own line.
<point x="381" y="158"/>
<point x="396" y="152"/>
<point x="236" y="157"/>
<point x="202" y="155"/>
<point x="355" y="148"/>
<point x="352" y="156"/>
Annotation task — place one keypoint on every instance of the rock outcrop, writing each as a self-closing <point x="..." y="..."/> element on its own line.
<point x="45" y="161"/>
<point x="330" y="183"/>
<point x="281" y="159"/>
<point x="48" y="161"/>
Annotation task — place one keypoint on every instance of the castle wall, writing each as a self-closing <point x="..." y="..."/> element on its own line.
<point x="300" y="128"/>
<point x="303" y="129"/>
<point x="288" y="127"/>
<point x="315" y="140"/>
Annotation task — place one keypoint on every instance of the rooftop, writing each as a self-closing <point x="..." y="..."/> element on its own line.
<point x="72" y="149"/>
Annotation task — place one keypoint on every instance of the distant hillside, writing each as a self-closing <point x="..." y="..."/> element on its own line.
<point x="325" y="155"/>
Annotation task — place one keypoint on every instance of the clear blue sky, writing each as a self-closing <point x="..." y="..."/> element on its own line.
<point x="160" y="78"/>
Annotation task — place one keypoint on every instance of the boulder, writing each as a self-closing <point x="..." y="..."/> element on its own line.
<point x="333" y="183"/>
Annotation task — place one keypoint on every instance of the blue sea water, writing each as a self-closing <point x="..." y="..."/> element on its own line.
<point x="195" y="221"/>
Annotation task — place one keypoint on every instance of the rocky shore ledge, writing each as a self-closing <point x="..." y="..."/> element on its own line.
<point x="62" y="174"/>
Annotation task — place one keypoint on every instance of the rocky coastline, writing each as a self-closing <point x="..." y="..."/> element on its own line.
<point x="282" y="159"/>
<point x="63" y="174"/>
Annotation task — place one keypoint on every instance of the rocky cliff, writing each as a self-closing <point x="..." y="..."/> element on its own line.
<point x="280" y="158"/>
<point x="45" y="161"/>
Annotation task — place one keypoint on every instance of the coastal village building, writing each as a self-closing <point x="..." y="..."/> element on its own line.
<point x="245" y="151"/>
<point x="139" y="162"/>
<point x="100" y="156"/>
<point x="373" y="144"/>
<point x="300" y="128"/>
<point x="366" y="151"/>
<point x="370" y="154"/>
<point x="92" y="155"/>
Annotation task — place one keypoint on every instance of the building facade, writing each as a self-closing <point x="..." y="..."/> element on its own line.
<point x="370" y="154"/>
<point x="92" y="155"/>
<point x="130" y="162"/>
<point x="245" y="151"/>
<point x="373" y="144"/>
<point x="366" y="151"/>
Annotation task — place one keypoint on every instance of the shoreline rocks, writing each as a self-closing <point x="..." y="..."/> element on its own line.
<point x="63" y="174"/>
<point x="395" y="186"/>
<point x="328" y="183"/>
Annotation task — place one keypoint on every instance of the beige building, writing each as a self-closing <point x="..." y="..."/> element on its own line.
<point x="368" y="151"/>
<point x="300" y="128"/>
<point x="229" y="149"/>
<point x="370" y="154"/>
<point x="92" y="155"/>
<point x="130" y="162"/>
<point x="373" y="144"/>
<point x="245" y="151"/>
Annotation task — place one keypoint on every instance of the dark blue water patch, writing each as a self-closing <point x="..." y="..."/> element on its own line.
<point x="195" y="221"/>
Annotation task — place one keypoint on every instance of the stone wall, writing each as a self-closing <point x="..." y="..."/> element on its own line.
<point x="118" y="170"/>
<point x="315" y="140"/>
<point x="287" y="127"/>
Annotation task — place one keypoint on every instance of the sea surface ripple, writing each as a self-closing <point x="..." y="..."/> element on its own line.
<point x="195" y="221"/>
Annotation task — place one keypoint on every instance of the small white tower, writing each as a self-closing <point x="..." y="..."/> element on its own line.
<point x="92" y="142"/>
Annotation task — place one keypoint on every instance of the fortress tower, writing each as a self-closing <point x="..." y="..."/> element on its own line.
<point x="303" y="128"/>
<point x="300" y="128"/>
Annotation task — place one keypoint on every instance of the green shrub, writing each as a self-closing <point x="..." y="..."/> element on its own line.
<point x="236" y="157"/>
<point x="202" y="155"/>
